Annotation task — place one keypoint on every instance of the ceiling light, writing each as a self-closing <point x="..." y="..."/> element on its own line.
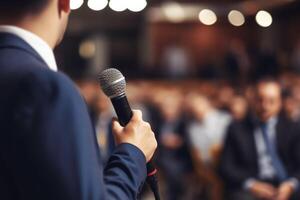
<point x="263" y="18"/>
<point x="207" y="17"/>
<point x="136" y="5"/>
<point x="75" y="4"/>
<point x="236" y="18"/>
<point x="97" y="4"/>
<point x="174" y="12"/>
<point x="118" y="5"/>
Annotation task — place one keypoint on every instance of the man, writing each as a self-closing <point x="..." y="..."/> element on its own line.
<point x="48" y="147"/>
<point x="261" y="158"/>
<point x="173" y="154"/>
<point x="206" y="141"/>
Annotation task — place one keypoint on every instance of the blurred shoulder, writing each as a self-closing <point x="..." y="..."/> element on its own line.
<point x="240" y="127"/>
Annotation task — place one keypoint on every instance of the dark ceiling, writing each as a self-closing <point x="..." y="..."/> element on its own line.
<point x="156" y="2"/>
<point x="86" y="20"/>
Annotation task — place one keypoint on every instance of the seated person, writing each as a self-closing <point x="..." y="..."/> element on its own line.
<point x="261" y="156"/>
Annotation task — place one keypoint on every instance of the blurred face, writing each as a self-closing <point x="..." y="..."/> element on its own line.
<point x="198" y="105"/>
<point x="171" y="106"/>
<point x="238" y="107"/>
<point x="291" y="107"/>
<point x="268" y="100"/>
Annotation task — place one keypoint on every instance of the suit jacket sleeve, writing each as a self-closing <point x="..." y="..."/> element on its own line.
<point x="56" y="155"/>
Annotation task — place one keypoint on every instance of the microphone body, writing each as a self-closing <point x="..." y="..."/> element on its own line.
<point x="124" y="113"/>
<point x="122" y="108"/>
<point x="115" y="90"/>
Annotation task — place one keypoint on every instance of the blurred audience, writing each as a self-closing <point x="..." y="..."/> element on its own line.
<point x="261" y="156"/>
<point x="191" y="120"/>
<point x="104" y="115"/>
<point x="203" y="132"/>
<point x="206" y="131"/>
<point x="101" y="114"/>
<point x="238" y="107"/>
<point x="173" y="155"/>
<point x="291" y="106"/>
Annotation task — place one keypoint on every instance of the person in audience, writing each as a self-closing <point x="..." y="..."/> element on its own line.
<point x="206" y="132"/>
<point x="291" y="106"/>
<point x="173" y="153"/>
<point x="238" y="108"/>
<point x="104" y="115"/>
<point x="261" y="156"/>
<point x="224" y="95"/>
<point x="89" y="89"/>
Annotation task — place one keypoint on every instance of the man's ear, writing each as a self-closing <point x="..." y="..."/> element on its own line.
<point x="64" y="5"/>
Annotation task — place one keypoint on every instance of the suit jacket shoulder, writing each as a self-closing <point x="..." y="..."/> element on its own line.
<point x="48" y="147"/>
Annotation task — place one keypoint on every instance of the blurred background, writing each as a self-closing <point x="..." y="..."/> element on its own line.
<point x="190" y="64"/>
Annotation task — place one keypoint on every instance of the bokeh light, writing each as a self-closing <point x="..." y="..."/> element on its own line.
<point x="174" y="12"/>
<point x="118" y="5"/>
<point x="87" y="49"/>
<point x="236" y="18"/>
<point x="76" y="4"/>
<point x="97" y="4"/>
<point x="136" y="5"/>
<point x="207" y="17"/>
<point x="263" y="18"/>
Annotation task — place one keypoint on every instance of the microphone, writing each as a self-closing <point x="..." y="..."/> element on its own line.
<point x="113" y="84"/>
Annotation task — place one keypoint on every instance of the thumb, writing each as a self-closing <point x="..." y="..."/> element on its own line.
<point x="116" y="126"/>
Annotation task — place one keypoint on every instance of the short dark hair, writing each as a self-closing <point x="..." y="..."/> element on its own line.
<point x="269" y="79"/>
<point x="20" y="7"/>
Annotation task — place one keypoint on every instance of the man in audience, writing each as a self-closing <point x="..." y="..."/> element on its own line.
<point x="261" y="158"/>
<point x="173" y="151"/>
<point x="206" y="132"/>
<point x="291" y="106"/>
<point x="238" y="108"/>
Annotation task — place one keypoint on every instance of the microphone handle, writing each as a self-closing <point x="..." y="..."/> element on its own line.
<point x="123" y="109"/>
<point x="124" y="113"/>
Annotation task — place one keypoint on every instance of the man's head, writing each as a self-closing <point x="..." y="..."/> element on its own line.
<point x="46" y="18"/>
<point x="268" y="101"/>
<point x="199" y="105"/>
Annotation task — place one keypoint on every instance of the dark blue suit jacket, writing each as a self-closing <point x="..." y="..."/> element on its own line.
<point x="48" y="148"/>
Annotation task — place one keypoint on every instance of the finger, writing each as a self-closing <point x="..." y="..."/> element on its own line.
<point x="147" y="125"/>
<point x="270" y="188"/>
<point x="137" y="115"/>
<point x="116" y="126"/>
<point x="282" y="196"/>
<point x="268" y="194"/>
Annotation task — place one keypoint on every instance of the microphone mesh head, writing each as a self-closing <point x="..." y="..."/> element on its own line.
<point x="112" y="82"/>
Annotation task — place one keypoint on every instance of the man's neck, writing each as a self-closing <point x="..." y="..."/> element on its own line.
<point x="35" y="26"/>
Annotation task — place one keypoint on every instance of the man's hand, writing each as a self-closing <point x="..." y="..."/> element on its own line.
<point x="285" y="191"/>
<point x="138" y="133"/>
<point x="263" y="190"/>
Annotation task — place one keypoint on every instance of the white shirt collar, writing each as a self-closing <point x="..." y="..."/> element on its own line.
<point x="37" y="43"/>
